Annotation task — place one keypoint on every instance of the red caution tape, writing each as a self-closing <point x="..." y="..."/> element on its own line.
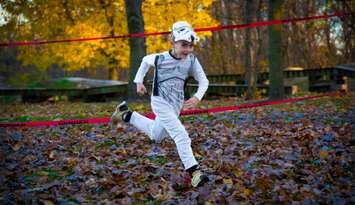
<point x="217" y="28"/>
<point x="56" y="122"/>
<point x="272" y="22"/>
<point x="252" y="105"/>
<point x="152" y="116"/>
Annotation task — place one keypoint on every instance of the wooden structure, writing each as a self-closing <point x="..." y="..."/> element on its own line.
<point x="87" y="90"/>
<point x="318" y="80"/>
<point x="345" y="74"/>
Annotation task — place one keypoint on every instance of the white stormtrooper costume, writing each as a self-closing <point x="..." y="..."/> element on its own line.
<point x="167" y="98"/>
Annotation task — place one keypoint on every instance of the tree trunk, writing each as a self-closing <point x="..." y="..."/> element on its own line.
<point x="137" y="44"/>
<point x="348" y="31"/>
<point x="276" y="88"/>
<point x="227" y="36"/>
<point x="259" y="45"/>
<point x="249" y="69"/>
<point x="233" y="50"/>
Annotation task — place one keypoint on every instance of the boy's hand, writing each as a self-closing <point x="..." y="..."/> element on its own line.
<point x="193" y="101"/>
<point x="141" y="90"/>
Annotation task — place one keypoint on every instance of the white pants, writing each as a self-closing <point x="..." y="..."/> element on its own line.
<point x="166" y="124"/>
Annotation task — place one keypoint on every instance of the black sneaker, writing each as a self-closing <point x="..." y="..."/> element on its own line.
<point x="119" y="114"/>
<point x="198" y="178"/>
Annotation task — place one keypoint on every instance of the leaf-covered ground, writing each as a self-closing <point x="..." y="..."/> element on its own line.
<point x="299" y="153"/>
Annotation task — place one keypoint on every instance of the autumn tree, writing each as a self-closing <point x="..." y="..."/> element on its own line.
<point x="261" y="40"/>
<point x="224" y="49"/>
<point x="137" y="45"/>
<point x="250" y="72"/>
<point x="347" y="25"/>
<point x="159" y="15"/>
<point x="308" y="44"/>
<point x="57" y="20"/>
<point x="320" y="43"/>
<point x="276" y="88"/>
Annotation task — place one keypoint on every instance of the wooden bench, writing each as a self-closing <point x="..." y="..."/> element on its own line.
<point x="89" y="90"/>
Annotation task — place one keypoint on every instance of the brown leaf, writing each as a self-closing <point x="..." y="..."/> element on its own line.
<point x="47" y="202"/>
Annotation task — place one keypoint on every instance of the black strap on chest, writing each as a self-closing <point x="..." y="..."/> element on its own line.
<point x="155" y="82"/>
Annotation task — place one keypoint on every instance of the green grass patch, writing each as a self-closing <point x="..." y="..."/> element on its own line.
<point x="158" y="159"/>
<point x="119" y="163"/>
<point x="105" y="144"/>
<point x="27" y="118"/>
<point x="56" y="84"/>
<point x="10" y="99"/>
<point x="45" y="172"/>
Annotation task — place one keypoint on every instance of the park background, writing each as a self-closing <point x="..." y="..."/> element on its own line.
<point x="300" y="152"/>
<point x="296" y="45"/>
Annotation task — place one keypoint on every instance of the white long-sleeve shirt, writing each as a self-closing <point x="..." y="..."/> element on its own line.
<point x="171" y="74"/>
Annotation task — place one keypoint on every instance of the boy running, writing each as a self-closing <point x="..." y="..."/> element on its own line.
<point x="172" y="68"/>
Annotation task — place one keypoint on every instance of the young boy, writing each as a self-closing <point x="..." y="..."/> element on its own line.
<point x="172" y="68"/>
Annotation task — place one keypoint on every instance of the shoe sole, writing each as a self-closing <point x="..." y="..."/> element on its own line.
<point x="123" y="105"/>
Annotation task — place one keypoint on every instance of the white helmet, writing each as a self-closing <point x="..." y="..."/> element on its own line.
<point x="183" y="31"/>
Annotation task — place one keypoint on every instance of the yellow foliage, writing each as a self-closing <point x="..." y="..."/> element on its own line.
<point x="238" y="172"/>
<point x="247" y="192"/>
<point x="323" y="154"/>
<point x="78" y="55"/>
<point x="228" y="181"/>
<point x="159" y="15"/>
<point x="52" y="20"/>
